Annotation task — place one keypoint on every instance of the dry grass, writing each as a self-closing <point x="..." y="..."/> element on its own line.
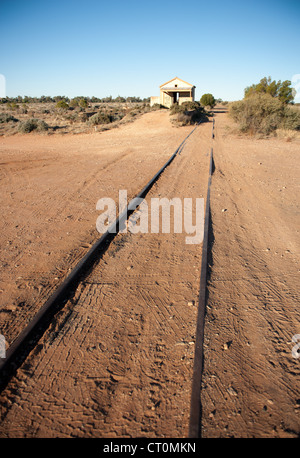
<point x="72" y="120"/>
<point x="287" y="134"/>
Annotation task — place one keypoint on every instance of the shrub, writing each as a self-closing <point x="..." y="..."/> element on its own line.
<point x="183" y="119"/>
<point x="191" y="105"/>
<point x="291" y="119"/>
<point x="188" y="113"/>
<point x="175" y="109"/>
<point x="107" y="117"/>
<point x="5" y="117"/>
<point x="261" y="113"/>
<point x="83" y="103"/>
<point x="32" y="124"/>
<point x="100" y="118"/>
<point x="198" y="116"/>
<point x="83" y="117"/>
<point x="208" y="100"/>
<point x="74" y="103"/>
<point x="118" y="116"/>
<point x="156" y="106"/>
<point x="281" y="90"/>
<point x="62" y="104"/>
<point x="13" y="105"/>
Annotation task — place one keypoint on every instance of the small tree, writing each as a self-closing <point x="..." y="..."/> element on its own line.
<point x="120" y="99"/>
<point x="74" y="103"/>
<point x="208" y="100"/>
<point x="285" y="92"/>
<point x="281" y="90"/>
<point x="83" y="103"/>
<point x="62" y="104"/>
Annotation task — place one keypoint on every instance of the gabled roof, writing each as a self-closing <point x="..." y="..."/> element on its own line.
<point x="176" y="78"/>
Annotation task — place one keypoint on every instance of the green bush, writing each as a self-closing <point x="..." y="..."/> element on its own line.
<point x="62" y="104"/>
<point x="79" y="102"/>
<point x="208" y="100"/>
<point x="74" y="103"/>
<point x="263" y="114"/>
<point x="32" y="124"/>
<point x="281" y="90"/>
<point x="83" y="103"/>
<point x="13" y="105"/>
<point x="100" y="118"/>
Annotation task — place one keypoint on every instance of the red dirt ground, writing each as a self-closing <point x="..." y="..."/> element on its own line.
<point x="118" y="359"/>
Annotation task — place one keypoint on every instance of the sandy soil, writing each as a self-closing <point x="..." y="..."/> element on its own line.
<point x="118" y="359"/>
<point x="120" y="354"/>
<point x="251" y="382"/>
<point x="49" y="189"/>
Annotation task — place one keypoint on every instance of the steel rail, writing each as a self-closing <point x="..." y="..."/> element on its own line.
<point x="195" y="406"/>
<point x="27" y="339"/>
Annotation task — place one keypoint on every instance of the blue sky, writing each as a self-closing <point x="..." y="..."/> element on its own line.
<point x="129" y="48"/>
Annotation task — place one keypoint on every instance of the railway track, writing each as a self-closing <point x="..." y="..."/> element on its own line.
<point x="28" y="339"/>
<point x="196" y="408"/>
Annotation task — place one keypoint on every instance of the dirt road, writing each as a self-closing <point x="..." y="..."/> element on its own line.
<point x="251" y="382"/>
<point x="50" y="186"/>
<point x="118" y="359"/>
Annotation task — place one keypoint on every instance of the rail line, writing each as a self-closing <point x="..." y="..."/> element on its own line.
<point x="195" y="406"/>
<point x="27" y="340"/>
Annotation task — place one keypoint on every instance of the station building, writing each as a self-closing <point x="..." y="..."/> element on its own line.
<point x="174" y="91"/>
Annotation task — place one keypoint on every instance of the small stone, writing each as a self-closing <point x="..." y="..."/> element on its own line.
<point x="11" y="308"/>
<point x="224" y="210"/>
<point x="116" y="378"/>
<point x="86" y="245"/>
<point x="227" y="345"/>
<point x="232" y="391"/>
<point x="190" y="303"/>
